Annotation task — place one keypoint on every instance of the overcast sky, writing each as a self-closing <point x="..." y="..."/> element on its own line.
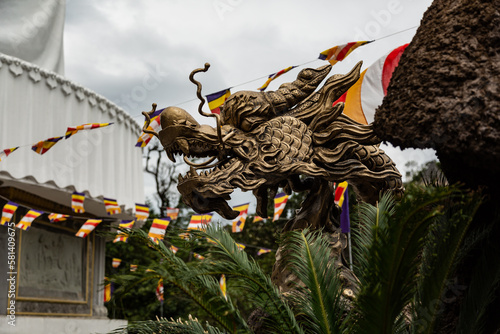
<point x="138" y="52"/>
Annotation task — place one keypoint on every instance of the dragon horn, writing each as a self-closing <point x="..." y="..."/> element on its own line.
<point x="290" y="94"/>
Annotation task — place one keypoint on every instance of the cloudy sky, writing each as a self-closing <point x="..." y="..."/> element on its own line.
<point x="138" y="52"/>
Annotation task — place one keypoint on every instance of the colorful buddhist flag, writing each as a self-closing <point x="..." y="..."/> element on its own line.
<point x="158" y="228"/>
<point x="28" y="218"/>
<point x="122" y="236"/>
<point x="159" y="290"/>
<point x="155" y="125"/>
<point x="215" y="100"/>
<point x="57" y="217"/>
<point x="223" y="286"/>
<point x="257" y="219"/>
<point x="198" y="256"/>
<point x="339" y="193"/>
<point x="199" y="222"/>
<point x="108" y="290"/>
<point x="173" y="213"/>
<point x="263" y="251"/>
<point x="340" y="52"/>
<point x="8" y="212"/>
<point x="88" y="227"/>
<point x="345" y="222"/>
<point x="43" y="146"/>
<point x="279" y="205"/>
<point x="116" y="262"/>
<point x="174" y="249"/>
<point x="366" y="95"/>
<point x="274" y="76"/>
<point x="77" y="202"/>
<point x="240" y="246"/>
<point x="239" y="222"/>
<point x="133" y="267"/>
<point x="112" y="207"/>
<point x="141" y="212"/>
<point x="5" y="153"/>
<point x="71" y="130"/>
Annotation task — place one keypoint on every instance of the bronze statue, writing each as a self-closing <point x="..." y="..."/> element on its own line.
<point x="293" y="138"/>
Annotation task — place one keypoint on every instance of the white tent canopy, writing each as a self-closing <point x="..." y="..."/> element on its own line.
<point x="35" y="105"/>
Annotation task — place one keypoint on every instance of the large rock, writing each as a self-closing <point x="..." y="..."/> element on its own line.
<point x="445" y="92"/>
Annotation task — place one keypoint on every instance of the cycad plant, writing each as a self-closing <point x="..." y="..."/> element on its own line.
<point x="405" y="253"/>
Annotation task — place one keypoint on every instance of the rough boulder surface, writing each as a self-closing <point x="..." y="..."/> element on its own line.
<point x="445" y="92"/>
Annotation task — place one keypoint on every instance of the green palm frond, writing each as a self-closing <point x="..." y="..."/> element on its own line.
<point x="190" y="326"/>
<point x="318" y="300"/>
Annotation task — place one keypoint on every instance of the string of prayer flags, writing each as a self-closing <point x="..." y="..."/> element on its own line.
<point x="340" y="52"/>
<point x="159" y="291"/>
<point x="7" y="212"/>
<point x="154" y="125"/>
<point x="108" y="291"/>
<point x="257" y="219"/>
<point x="77" y="202"/>
<point x="339" y="193"/>
<point x="88" y="227"/>
<point x="141" y="212"/>
<point x="5" y="153"/>
<point x="223" y="286"/>
<point x="133" y="267"/>
<point x="122" y="236"/>
<point x="43" y="146"/>
<point x="216" y="100"/>
<point x="240" y="246"/>
<point x="57" y="217"/>
<point x="199" y="222"/>
<point x="158" y="228"/>
<point x="71" y="130"/>
<point x="239" y="222"/>
<point x="174" y="249"/>
<point x="28" y="218"/>
<point x="279" y="205"/>
<point x="112" y="206"/>
<point x="116" y="262"/>
<point x="173" y="213"/>
<point x="274" y="76"/>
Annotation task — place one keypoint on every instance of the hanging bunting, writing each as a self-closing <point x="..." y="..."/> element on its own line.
<point x="340" y="52"/>
<point x="26" y="221"/>
<point x="239" y="222"/>
<point x="199" y="222"/>
<point x="173" y="213"/>
<point x="74" y="129"/>
<point x="257" y="219"/>
<point x="279" y="205"/>
<point x="174" y="249"/>
<point x="57" y="217"/>
<point x="141" y="212"/>
<point x="133" y="267"/>
<point x="154" y="125"/>
<point x="77" y="202"/>
<point x="240" y="246"/>
<point x="263" y="251"/>
<point x="159" y="291"/>
<point x="216" y="100"/>
<point x="5" y="153"/>
<point x="112" y="207"/>
<point x="274" y="76"/>
<point x="43" y="146"/>
<point x="116" y="262"/>
<point x="366" y="95"/>
<point x="8" y="212"/>
<point x="108" y="290"/>
<point x="223" y="287"/>
<point x="198" y="256"/>
<point x="158" y="228"/>
<point x="88" y="227"/>
<point x="122" y="236"/>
